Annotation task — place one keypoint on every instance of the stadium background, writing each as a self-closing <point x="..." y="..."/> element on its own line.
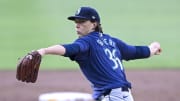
<point x="30" y="25"/>
<point x="27" y="25"/>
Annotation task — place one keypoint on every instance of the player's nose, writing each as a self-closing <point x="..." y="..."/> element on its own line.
<point x="77" y="25"/>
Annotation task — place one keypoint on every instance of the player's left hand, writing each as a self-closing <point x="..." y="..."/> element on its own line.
<point x="28" y="67"/>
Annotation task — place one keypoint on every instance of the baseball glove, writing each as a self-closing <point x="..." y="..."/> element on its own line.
<point x="28" y="67"/>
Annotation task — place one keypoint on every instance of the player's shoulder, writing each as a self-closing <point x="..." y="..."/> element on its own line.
<point x="84" y="39"/>
<point x="106" y="35"/>
<point x="113" y="38"/>
<point x="89" y="37"/>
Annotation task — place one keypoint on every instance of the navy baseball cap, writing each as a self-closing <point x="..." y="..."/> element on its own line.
<point x="86" y="13"/>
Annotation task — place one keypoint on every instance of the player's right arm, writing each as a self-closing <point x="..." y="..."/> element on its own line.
<point x="130" y="52"/>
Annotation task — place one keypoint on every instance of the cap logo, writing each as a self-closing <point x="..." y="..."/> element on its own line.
<point x="93" y="17"/>
<point x="78" y="11"/>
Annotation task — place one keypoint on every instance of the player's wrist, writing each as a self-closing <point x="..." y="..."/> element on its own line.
<point x="42" y="51"/>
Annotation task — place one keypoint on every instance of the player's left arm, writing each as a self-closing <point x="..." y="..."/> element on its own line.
<point x="66" y="49"/>
<point x="53" y="50"/>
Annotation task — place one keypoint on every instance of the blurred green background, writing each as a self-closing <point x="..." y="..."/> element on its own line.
<point x="27" y="25"/>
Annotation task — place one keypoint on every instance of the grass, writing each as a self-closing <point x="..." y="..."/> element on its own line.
<point x="30" y="25"/>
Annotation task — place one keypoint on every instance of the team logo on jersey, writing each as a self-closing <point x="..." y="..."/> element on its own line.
<point x="78" y="11"/>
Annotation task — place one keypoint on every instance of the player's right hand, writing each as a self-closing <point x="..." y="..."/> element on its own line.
<point x="155" y="48"/>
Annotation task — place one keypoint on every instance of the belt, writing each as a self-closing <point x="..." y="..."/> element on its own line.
<point x="107" y="92"/>
<point x="124" y="89"/>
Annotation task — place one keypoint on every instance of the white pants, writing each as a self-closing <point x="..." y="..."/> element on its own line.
<point x="118" y="95"/>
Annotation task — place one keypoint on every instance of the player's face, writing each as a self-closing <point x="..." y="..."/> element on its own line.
<point x="83" y="27"/>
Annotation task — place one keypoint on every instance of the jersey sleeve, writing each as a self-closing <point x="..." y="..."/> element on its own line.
<point x="75" y="48"/>
<point x="130" y="52"/>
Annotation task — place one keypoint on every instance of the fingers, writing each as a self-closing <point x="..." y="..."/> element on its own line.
<point x="158" y="52"/>
<point x="155" y="48"/>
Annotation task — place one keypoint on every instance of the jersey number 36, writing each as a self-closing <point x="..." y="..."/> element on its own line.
<point x="112" y="56"/>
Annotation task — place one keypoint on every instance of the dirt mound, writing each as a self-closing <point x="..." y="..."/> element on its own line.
<point x="148" y="85"/>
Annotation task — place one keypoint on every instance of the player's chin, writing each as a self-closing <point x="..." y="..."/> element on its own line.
<point x="79" y="34"/>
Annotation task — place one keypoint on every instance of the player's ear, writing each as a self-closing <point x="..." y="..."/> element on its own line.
<point x="95" y="24"/>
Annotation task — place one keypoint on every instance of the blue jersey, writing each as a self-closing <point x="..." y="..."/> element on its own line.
<point x="100" y="59"/>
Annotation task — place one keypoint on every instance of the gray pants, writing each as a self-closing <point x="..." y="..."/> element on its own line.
<point x="118" y="95"/>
